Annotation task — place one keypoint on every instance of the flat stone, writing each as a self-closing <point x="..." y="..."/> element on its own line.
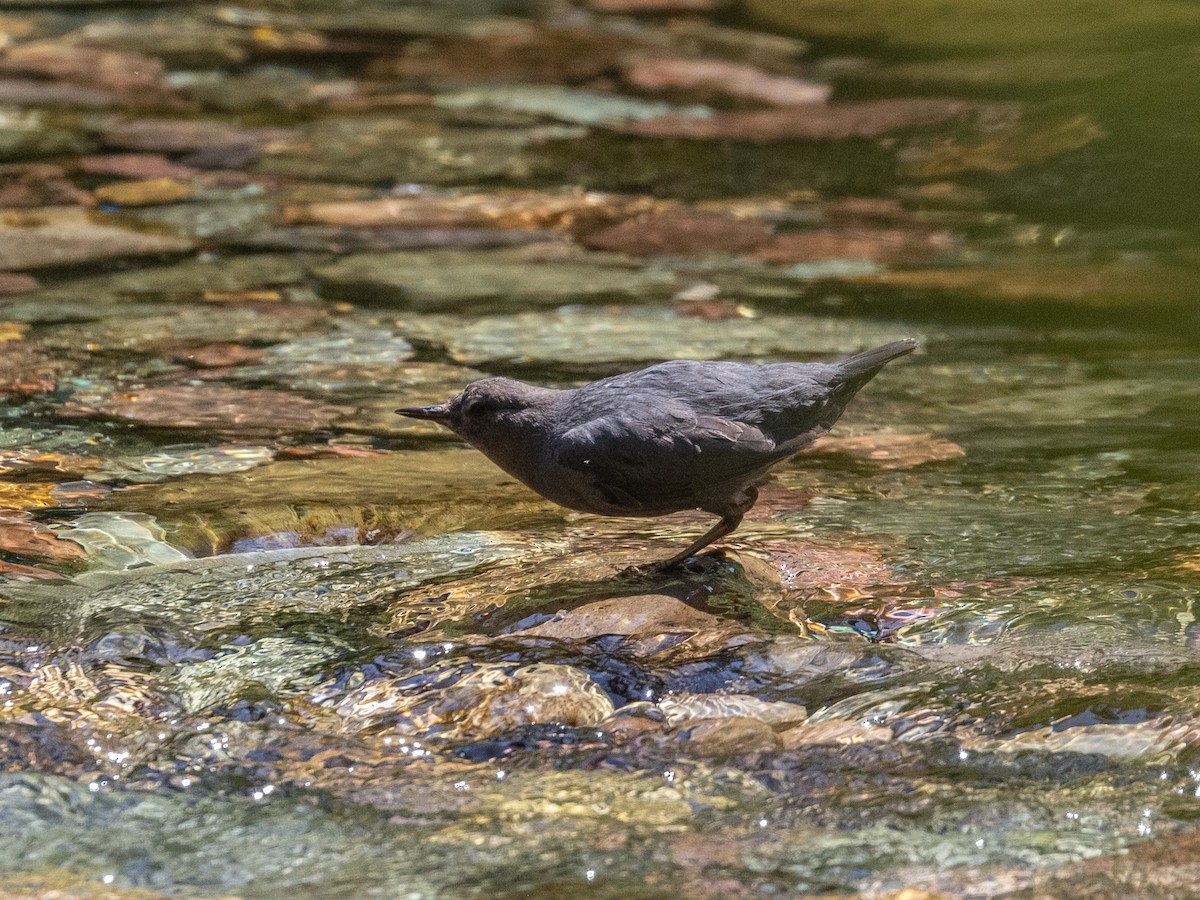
<point x="34" y="185"/>
<point x="882" y="245"/>
<point x="865" y="119"/>
<point x="135" y="165"/>
<point x="680" y="233"/>
<point x="182" y="135"/>
<point x="646" y="616"/>
<point x="33" y="92"/>
<point x="219" y="408"/>
<point x="29" y="134"/>
<point x="733" y="736"/>
<point x="656" y="7"/>
<point x="889" y="451"/>
<point x="448" y="279"/>
<point x="716" y="76"/>
<point x="682" y="708"/>
<point x="523" y="210"/>
<point x="151" y="192"/>
<point x="14" y="284"/>
<point x="584" y="336"/>
<point x="833" y="731"/>
<point x="21" y="536"/>
<point x="62" y="237"/>
<point x="85" y="65"/>
<point x="572" y="105"/>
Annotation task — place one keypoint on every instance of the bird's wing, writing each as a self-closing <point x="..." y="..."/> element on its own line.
<point x="648" y="457"/>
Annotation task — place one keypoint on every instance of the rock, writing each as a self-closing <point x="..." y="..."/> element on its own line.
<point x="26" y="371"/>
<point x="865" y="119"/>
<point x="882" y="245"/>
<point x="144" y="193"/>
<point x="577" y="337"/>
<point x="180" y="43"/>
<point x="21" y="536"/>
<point x="38" y="184"/>
<point x="889" y="451"/>
<point x="220" y="356"/>
<point x="373" y="149"/>
<point x="716" y="76"/>
<point x="448" y="279"/>
<point x="726" y="737"/>
<point x="833" y="731"/>
<point x="145" y="166"/>
<point x="32" y="92"/>
<point x="572" y="105"/>
<point x="119" y="541"/>
<point x="682" y="708"/>
<point x="172" y="462"/>
<point x="218" y="408"/>
<point x="652" y="622"/>
<point x="641" y="7"/>
<point x="680" y="234"/>
<point x="186" y="326"/>
<point x="84" y="65"/>
<point x="799" y="565"/>
<point x="523" y="210"/>
<point x="528" y="55"/>
<point x="29" y="134"/>
<point x="483" y="703"/>
<point x="351" y="239"/>
<point x="1151" y="740"/>
<point x="182" y="135"/>
<point x="14" y="284"/>
<point x="63" y="237"/>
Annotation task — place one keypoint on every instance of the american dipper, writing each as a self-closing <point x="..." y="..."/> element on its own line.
<point x="677" y="435"/>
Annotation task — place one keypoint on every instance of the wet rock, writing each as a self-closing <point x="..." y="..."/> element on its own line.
<point x="32" y="92"/>
<point x="799" y="565"/>
<point x="38" y="184"/>
<point x="145" y="166"/>
<point x="182" y="135"/>
<point x="889" y="451"/>
<point x="527" y="55"/>
<point x="187" y="326"/>
<point x="616" y="337"/>
<point x="684" y="708"/>
<point x="84" y="65"/>
<point x="486" y="702"/>
<point x="651" y="623"/>
<point x="866" y="119"/>
<point x="118" y="541"/>
<point x="30" y="134"/>
<point x="375" y="498"/>
<point x="890" y="245"/>
<point x="179" y="43"/>
<point x="732" y="736"/>
<point x="225" y="220"/>
<point x="680" y="234"/>
<point x="715" y="76"/>
<point x="60" y="237"/>
<point x="524" y="210"/>
<point x="1001" y="148"/>
<point x="218" y="408"/>
<point x="448" y="279"/>
<point x="373" y="150"/>
<point x="219" y="356"/>
<point x="262" y="88"/>
<point x="816" y="732"/>
<point x="1117" y="283"/>
<point x="27" y="574"/>
<point x="14" y="284"/>
<point x="272" y="667"/>
<point x="172" y="462"/>
<point x="151" y="192"/>
<point x="1151" y="739"/>
<point x="26" y="371"/>
<point x="351" y="239"/>
<point x="636" y="7"/>
<point x="571" y="105"/>
<point x="26" y="461"/>
<point x="188" y="279"/>
<point x="21" y="536"/>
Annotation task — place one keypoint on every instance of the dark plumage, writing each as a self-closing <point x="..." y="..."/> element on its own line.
<point x="677" y="435"/>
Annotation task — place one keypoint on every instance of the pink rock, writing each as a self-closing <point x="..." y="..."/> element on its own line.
<point x="730" y="79"/>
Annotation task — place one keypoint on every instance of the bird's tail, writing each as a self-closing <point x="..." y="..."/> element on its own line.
<point x="867" y="363"/>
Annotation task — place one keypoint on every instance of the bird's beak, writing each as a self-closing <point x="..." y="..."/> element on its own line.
<point x="434" y="413"/>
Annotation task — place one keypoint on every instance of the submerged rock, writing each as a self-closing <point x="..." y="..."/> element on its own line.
<point x="63" y="237"/>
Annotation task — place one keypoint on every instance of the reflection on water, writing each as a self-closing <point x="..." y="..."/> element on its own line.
<point x="259" y="634"/>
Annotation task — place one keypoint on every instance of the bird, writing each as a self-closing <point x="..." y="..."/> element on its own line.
<point x="678" y="435"/>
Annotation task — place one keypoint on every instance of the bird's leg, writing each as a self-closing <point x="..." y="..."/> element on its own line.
<point x="728" y="523"/>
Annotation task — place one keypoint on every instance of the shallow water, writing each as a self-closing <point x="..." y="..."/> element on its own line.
<point x="260" y="635"/>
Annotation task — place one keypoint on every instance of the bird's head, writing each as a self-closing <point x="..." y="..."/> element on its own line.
<point x="483" y="406"/>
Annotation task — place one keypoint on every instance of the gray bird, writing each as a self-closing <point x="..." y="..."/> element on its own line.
<point x="677" y="435"/>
